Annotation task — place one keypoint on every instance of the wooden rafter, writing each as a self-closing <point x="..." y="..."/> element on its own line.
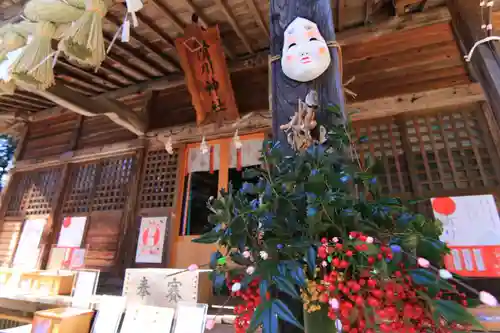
<point x="259" y="60"/>
<point x="258" y="16"/>
<point x="92" y="107"/>
<point x="222" y="4"/>
<point x="163" y="60"/>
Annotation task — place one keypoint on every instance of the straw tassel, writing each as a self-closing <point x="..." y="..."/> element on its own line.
<point x="83" y="41"/>
<point x="33" y="67"/>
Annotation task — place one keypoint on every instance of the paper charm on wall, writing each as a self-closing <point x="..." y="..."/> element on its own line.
<point x="151" y="240"/>
<point x="305" y="53"/>
<point x="475" y="251"/>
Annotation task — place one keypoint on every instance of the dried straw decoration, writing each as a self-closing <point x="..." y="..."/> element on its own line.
<point x="34" y="65"/>
<point x="83" y="42"/>
<point x="13" y="37"/>
<point x="54" y="11"/>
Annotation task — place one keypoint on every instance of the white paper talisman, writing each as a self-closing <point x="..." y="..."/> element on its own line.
<point x="150" y="319"/>
<point x="151" y="240"/>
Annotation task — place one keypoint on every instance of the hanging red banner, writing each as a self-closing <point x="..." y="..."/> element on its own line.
<point x="207" y="77"/>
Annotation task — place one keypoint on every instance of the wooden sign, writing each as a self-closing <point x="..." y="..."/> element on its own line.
<point x="475" y="251"/>
<point x="165" y="287"/>
<point x="207" y="77"/>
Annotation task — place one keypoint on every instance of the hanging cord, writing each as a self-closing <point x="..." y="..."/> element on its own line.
<point x="336" y="45"/>
<point x="486" y="9"/>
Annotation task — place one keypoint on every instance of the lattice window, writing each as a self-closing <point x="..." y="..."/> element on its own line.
<point x="450" y="151"/>
<point x="43" y="189"/>
<point x="33" y="192"/>
<point x="159" y="180"/>
<point x="381" y="142"/>
<point x="18" y="194"/>
<point x="112" y="189"/>
<point x="79" y="197"/>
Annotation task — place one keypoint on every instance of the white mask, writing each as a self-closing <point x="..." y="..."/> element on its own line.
<point x="305" y="53"/>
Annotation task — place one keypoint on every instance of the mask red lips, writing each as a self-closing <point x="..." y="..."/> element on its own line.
<point x="305" y="60"/>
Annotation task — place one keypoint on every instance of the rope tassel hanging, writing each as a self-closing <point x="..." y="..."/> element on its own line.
<point x="84" y="40"/>
<point x="34" y="65"/>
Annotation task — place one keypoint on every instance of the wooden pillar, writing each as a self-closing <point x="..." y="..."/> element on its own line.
<point x="485" y="62"/>
<point x="286" y="92"/>
<point x="126" y="249"/>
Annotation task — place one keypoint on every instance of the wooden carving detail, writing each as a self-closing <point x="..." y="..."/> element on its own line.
<point x="207" y="77"/>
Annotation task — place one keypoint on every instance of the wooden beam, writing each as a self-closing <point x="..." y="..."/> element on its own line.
<point x="82" y="155"/>
<point x="427" y="100"/>
<point x="256" y="121"/>
<point x="85" y="106"/>
<point x="397" y="23"/>
<point x="259" y="60"/>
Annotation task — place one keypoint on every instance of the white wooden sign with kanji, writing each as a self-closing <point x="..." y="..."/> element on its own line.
<point x="151" y="240"/>
<point x="165" y="287"/>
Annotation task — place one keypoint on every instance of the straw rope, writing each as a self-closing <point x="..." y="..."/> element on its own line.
<point x="54" y="11"/>
<point x="84" y="40"/>
<point x="33" y="66"/>
<point x="336" y="45"/>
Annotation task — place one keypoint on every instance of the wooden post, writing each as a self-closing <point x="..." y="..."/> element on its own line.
<point x="485" y="61"/>
<point x="286" y="92"/>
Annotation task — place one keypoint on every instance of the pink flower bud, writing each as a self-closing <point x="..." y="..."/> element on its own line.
<point x="210" y="324"/>
<point x="422" y="262"/>
<point x="487" y="298"/>
<point x="193" y="267"/>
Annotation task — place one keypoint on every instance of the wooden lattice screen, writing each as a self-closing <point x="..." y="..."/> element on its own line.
<point x="159" y="179"/>
<point x="432" y="153"/>
<point x="381" y="140"/>
<point x="32" y="192"/>
<point x="99" y="186"/>
<point x="452" y="151"/>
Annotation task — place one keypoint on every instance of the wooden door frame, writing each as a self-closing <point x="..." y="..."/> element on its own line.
<point x="224" y="161"/>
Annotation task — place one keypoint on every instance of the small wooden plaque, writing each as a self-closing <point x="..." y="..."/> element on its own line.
<point x="62" y="320"/>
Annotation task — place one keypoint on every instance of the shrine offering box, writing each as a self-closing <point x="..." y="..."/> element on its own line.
<point x="62" y="320"/>
<point x="489" y="317"/>
<point x="166" y="287"/>
<point x="49" y="283"/>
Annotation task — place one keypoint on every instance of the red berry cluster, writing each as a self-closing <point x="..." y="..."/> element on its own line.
<point x="366" y="301"/>
<point x="251" y="299"/>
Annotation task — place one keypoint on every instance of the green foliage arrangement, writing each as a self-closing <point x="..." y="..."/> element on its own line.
<point x="315" y="226"/>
